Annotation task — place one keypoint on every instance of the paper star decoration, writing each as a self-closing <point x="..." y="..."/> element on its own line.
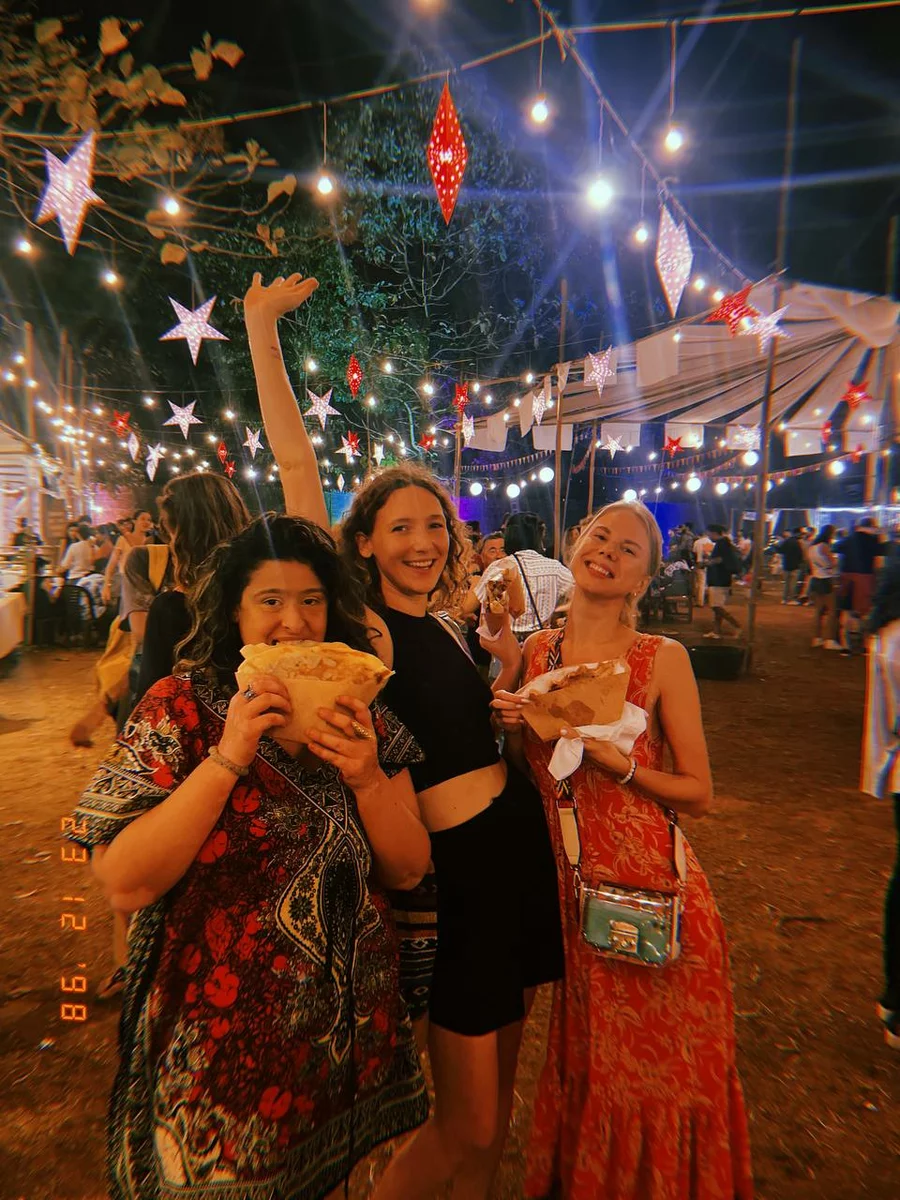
<point x="229" y="468"/>
<point x="767" y="327"/>
<point x="221" y="452"/>
<point x="613" y="445"/>
<point x="856" y="393"/>
<point x="427" y="441"/>
<point x="253" y="442"/>
<point x="674" y="258"/>
<point x="378" y="453"/>
<point x="321" y="407"/>
<point x="733" y="310"/>
<point x="672" y="446"/>
<point x="134" y="446"/>
<point x="597" y="369"/>
<point x="183" y="417"/>
<point x="340" y="483"/>
<point x="540" y="400"/>
<point x="119" y="424"/>
<point x="349" y="447"/>
<point x="193" y="327"/>
<point x="826" y="431"/>
<point x="857" y="454"/>
<point x="68" y="194"/>
<point x="461" y="397"/>
<point x="468" y="428"/>
<point x="354" y="377"/>
<point x="154" y="454"/>
<point x="447" y="154"/>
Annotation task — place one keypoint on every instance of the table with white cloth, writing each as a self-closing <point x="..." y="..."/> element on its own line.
<point x="12" y="622"/>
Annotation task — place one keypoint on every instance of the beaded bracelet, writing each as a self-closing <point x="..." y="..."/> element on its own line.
<point x="626" y="779"/>
<point x="221" y="761"/>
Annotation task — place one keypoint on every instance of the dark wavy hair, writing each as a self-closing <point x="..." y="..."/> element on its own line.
<point x="370" y="499"/>
<point x="196" y="513"/>
<point x="214" y="641"/>
<point x="524" y="531"/>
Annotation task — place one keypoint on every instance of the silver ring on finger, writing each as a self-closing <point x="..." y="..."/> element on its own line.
<point x="248" y="693"/>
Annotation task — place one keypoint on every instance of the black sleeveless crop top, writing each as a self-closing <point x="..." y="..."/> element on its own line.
<point x="439" y="696"/>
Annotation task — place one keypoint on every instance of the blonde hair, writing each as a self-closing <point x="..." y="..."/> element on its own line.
<point x="629" y="613"/>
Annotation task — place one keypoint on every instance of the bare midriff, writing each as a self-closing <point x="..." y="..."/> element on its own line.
<point x="459" y="799"/>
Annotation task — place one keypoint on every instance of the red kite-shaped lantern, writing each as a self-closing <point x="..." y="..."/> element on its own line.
<point x="222" y="453"/>
<point x="461" y="398"/>
<point x="354" y="375"/>
<point x="447" y="154"/>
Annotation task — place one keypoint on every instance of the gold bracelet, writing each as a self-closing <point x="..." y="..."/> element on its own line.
<point x="221" y="761"/>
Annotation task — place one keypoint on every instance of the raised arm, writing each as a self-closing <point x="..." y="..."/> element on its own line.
<point x="283" y="421"/>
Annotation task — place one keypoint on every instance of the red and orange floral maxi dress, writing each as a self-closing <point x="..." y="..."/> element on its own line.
<point x="639" y="1098"/>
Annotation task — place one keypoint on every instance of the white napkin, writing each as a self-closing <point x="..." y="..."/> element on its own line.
<point x="623" y="734"/>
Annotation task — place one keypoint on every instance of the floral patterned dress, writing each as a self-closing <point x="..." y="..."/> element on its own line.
<point x="264" y="1045"/>
<point x="639" y="1098"/>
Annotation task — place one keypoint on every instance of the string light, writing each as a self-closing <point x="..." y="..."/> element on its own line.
<point x="600" y="193"/>
<point x="545" y="475"/>
<point x="750" y="459"/>
<point x="388" y="367"/>
<point x="476" y="387"/>
<point x="722" y="489"/>
<point x="694" y="484"/>
<point x="475" y="489"/>
<point x="513" y="491"/>
<point x="428" y="388"/>
<point x="837" y="467"/>
<point x="110" y="278"/>
<point x="23" y="247"/>
<point x="171" y="206"/>
<point x="629" y="495"/>
<point x="489" y="399"/>
<point x="699" y="284"/>
<point x="641" y="234"/>
<point x="540" y="111"/>
<point x="19" y="360"/>
<point x="312" y="366"/>
<point x="149" y="401"/>
<point x="674" y="139"/>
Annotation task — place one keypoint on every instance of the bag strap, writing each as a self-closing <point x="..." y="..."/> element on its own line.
<point x="157" y="562"/>
<point x="449" y="626"/>
<point x="515" y="555"/>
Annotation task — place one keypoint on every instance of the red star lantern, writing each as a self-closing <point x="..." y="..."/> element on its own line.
<point x="857" y="454"/>
<point x="353" y="441"/>
<point x="855" y="394"/>
<point x="427" y="441"/>
<point x="354" y="375"/>
<point x="221" y="453"/>
<point x="461" y="398"/>
<point x="447" y="154"/>
<point x="119" y="424"/>
<point x="229" y="468"/>
<point x="673" y="445"/>
<point x="825" y="432"/>
<point x="733" y="310"/>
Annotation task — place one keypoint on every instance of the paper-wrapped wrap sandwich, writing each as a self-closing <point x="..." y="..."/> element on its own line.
<point x="590" y="694"/>
<point x="503" y="594"/>
<point x="315" y="674"/>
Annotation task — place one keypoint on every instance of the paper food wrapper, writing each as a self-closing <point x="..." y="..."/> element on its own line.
<point x="493" y="611"/>
<point x="623" y="734"/>
<point x="315" y="674"/>
<point x="572" y="697"/>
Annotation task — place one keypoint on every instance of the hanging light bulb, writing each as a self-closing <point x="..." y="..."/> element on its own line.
<point x="513" y="490"/>
<point x="475" y="489"/>
<point x="699" y="284"/>
<point x="600" y="193"/>
<point x="750" y="459"/>
<point x="693" y="484"/>
<point x="722" y="488"/>
<point x="674" y="139"/>
<point x="629" y="495"/>
<point x="312" y="366"/>
<point x="23" y="246"/>
<point x="324" y="184"/>
<point x="837" y="467"/>
<point x="171" y="206"/>
<point x="540" y="110"/>
<point x="110" y="278"/>
<point x="545" y="475"/>
<point x="718" y="296"/>
<point x="641" y="234"/>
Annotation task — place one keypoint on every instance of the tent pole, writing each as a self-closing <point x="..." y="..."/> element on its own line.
<point x="590" y="507"/>
<point x="457" y="456"/>
<point x="762" y="477"/>
<point x="557" y="512"/>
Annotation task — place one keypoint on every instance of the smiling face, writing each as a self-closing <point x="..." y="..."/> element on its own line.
<point x="143" y="523"/>
<point x="612" y="559"/>
<point x="410" y="543"/>
<point x="282" y="602"/>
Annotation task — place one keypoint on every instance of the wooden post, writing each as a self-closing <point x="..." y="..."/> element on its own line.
<point x="762" y="478"/>
<point x="557" y="481"/>
<point x="593" y="457"/>
<point x="457" y="457"/>
<point x="31" y="566"/>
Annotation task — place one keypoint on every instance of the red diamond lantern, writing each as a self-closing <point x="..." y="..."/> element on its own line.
<point x="856" y="394"/>
<point x="119" y="423"/>
<point x="447" y="154"/>
<point x="222" y="453"/>
<point x="733" y="310"/>
<point x="461" y="398"/>
<point x="229" y="468"/>
<point x="354" y="375"/>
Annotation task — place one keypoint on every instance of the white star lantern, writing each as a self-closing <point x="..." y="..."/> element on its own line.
<point x="183" y="417"/>
<point x="562" y="376"/>
<point x="134" y="446"/>
<point x="193" y="327"/>
<point x="674" y="258"/>
<point x="767" y="327"/>
<point x="378" y="452"/>
<point x="597" y="369"/>
<point x="321" y="407"/>
<point x="613" y="445"/>
<point x="468" y="428"/>
<point x="68" y="194"/>
<point x="154" y="454"/>
<point x="254" y="441"/>
<point x="340" y="483"/>
<point x="349" y="451"/>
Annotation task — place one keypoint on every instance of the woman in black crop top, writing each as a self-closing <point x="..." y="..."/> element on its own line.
<point x="498" y="909"/>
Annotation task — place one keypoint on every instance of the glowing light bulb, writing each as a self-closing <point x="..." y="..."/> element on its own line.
<point x="325" y="184"/>
<point x="228" y="414"/>
<point x="311" y="365"/>
<point x="699" y="284"/>
<point x="600" y="194"/>
<point x="428" y="388"/>
<point x="475" y="489"/>
<point x="641" y="234"/>
<point x="513" y="490"/>
<point x="693" y="484"/>
<point x="836" y="468"/>
<point x="476" y="387"/>
<point x="371" y="401"/>
<point x="110" y="279"/>
<point x="545" y="475"/>
<point x="629" y="495"/>
<point x="722" y="489"/>
<point x="750" y="459"/>
<point x="674" y="139"/>
<point x="540" y="111"/>
<point x="23" y="247"/>
<point x="171" y="206"/>
<point x="388" y="367"/>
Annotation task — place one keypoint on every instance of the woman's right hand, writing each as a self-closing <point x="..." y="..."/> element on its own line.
<point x="249" y="719"/>
<point x="508" y="709"/>
<point x="280" y="297"/>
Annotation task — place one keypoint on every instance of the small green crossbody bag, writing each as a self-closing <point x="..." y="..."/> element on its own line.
<point x="639" y="925"/>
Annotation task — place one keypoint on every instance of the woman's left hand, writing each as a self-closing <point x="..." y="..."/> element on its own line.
<point x="350" y="744"/>
<point x="602" y="754"/>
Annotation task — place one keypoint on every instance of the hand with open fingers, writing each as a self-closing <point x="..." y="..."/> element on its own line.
<point x="602" y="754"/>
<point x="279" y="297"/>
<point x="508" y="708"/>
<point x="349" y="744"/>
<point x="263" y="707"/>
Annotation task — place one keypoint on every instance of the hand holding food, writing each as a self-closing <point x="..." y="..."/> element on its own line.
<point x="503" y="594"/>
<point x="261" y="706"/>
<point x="349" y="744"/>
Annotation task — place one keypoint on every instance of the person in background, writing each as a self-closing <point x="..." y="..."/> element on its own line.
<point x="546" y="581"/>
<point x="25" y="535"/>
<point x="80" y="556"/>
<point x="686" y="539"/>
<point x="823" y="573"/>
<point x="70" y="536"/>
<point x="792" y="560"/>
<point x="105" y="537"/>
<point x="721" y="567"/>
<point x="744" y="548"/>
<point x="490" y="549"/>
<point x="881" y="768"/>
<point x="138" y="535"/>
<point x="703" y="548"/>
<point x="860" y="554"/>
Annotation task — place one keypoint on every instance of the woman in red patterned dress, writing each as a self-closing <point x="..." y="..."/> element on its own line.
<point x="639" y="1098"/>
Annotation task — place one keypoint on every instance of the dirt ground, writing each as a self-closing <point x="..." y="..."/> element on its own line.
<point x="797" y="857"/>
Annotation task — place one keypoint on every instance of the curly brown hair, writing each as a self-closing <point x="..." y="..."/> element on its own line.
<point x="197" y="512"/>
<point x="370" y="499"/>
<point x="214" y="640"/>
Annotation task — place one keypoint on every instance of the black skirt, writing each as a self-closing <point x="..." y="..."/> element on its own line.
<point x="498" y="923"/>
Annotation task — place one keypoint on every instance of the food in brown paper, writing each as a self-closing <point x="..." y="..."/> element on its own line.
<point x="503" y="594"/>
<point x="590" y="694"/>
<point x="315" y="674"/>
